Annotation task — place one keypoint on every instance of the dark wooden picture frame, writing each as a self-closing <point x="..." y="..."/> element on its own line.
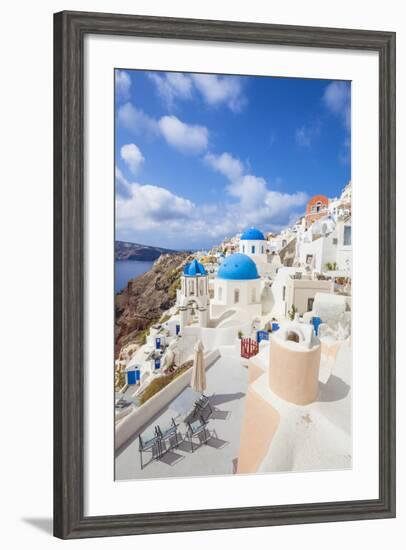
<point x="70" y="29"/>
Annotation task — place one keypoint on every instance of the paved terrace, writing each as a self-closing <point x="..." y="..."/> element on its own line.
<point x="227" y="382"/>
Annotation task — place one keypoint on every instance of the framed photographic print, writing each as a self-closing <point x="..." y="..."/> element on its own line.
<point x="224" y="275"/>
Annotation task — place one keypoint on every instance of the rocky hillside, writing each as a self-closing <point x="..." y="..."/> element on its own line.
<point x="134" y="251"/>
<point x="146" y="297"/>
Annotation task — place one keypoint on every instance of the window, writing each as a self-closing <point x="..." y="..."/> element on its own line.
<point x="262" y="249"/>
<point x="309" y="259"/>
<point x="310" y="304"/>
<point x="284" y="294"/>
<point x="347" y="235"/>
<point x="236" y="296"/>
<point x="243" y="248"/>
<point x="220" y="293"/>
<point x="252" y="249"/>
<point x="253" y="296"/>
<point x="191" y="288"/>
<point x="335" y="241"/>
<point x="201" y="287"/>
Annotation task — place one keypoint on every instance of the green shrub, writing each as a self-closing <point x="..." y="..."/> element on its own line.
<point x="165" y="317"/>
<point x="292" y="312"/>
<point x="161" y="381"/>
<point x="119" y="379"/>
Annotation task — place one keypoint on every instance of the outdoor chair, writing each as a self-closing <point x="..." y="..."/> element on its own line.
<point x="152" y="444"/>
<point x="121" y="403"/>
<point x="204" y="409"/>
<point x="201" y="408"/>
<point x="195" y="428"/>
<point x="190" y="416"/>
<point x="167" y="434"/>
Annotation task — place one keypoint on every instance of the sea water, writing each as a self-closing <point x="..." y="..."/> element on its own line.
<point x="128" y="269"/>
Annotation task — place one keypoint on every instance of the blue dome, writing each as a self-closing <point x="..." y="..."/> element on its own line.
<point x="194" y="268"/>
<point x="238" y="267"/>
<point x="252" y="234"/>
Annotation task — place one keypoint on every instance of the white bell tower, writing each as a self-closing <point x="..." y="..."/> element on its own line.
<point x="194" y="293"/>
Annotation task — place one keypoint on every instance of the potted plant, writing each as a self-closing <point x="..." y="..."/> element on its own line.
<point x="292" y="312"/>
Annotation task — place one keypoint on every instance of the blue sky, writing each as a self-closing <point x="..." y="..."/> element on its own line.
<point x="201" y="157"/>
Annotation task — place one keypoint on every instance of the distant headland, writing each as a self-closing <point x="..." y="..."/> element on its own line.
<point x="140" y="252"/>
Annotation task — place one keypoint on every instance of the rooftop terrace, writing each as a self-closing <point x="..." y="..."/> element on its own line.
<point x="227" y="381"/>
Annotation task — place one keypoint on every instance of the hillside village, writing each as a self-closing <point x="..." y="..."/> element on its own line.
<point x="276" y="310"/>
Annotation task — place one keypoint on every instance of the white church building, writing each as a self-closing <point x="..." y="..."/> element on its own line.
<point x="253" y="243"/>
<point x="256" y="247"/>
<point x="237" y="286"/>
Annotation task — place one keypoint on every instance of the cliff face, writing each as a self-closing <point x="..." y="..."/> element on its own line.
<point x="134" y="251"/>
<point x="146" y="297"/>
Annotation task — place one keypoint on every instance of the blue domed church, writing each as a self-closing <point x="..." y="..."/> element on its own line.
<point x="237" y="286"/>
<point x="252" y="242"/>
<point x="254" y="245"/>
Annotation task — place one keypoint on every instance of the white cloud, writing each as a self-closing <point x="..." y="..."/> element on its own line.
<point x="249" y="190"/>
<point x="255" y="203"/>
<point x="187" y="138"/>
<point x="281" y="203"/>
<point x="259" y="205"/>
<point x="226" y="164"/>
<point x="184" y="137"/>
<point x="145" y="212"/>
<point x="137" y="121"/>
<point x="217" y="90"/>
<point x="132" y="156"/>
<point x="304" y="137"/>
<point x="123" y="85"/>
<point x="122" y="185"/>
<point x="337" y="98"/>
<point x="145" y="207"/>
<point x="344" y="156"/>
<point x="171" y="86"/>
<point x="307" y="134"/>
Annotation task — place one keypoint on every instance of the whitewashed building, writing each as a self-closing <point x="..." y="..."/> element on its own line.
<point x="295" y="286"/>
<point x="344" y="245"/>
<point x="237" y="286"/>
<point x="326" y="245"/>
<point x="341" y="206"/>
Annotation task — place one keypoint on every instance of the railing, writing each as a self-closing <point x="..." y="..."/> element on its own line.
<point x="249" y="347"/>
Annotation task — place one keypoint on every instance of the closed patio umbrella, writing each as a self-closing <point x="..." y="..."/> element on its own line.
<point x="198" y="381"/>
